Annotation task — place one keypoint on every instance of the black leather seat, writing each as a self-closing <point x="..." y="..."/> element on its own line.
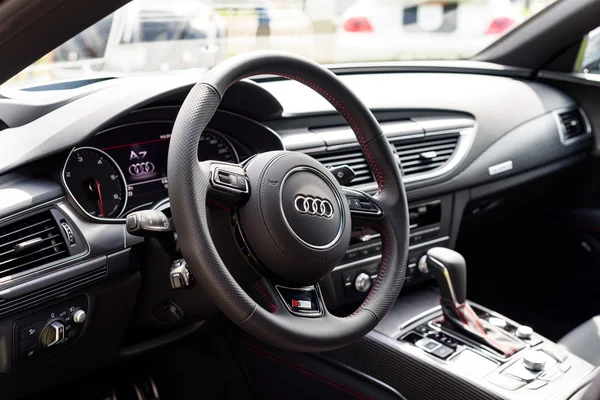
<point x="584" y="341"/>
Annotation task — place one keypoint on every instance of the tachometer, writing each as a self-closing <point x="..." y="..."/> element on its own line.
<point x="214" y="146"/>
<point x="96" y="182"/>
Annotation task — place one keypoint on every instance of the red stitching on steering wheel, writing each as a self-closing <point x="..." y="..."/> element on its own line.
<point x="342" y="110"/>
<point x="272" y="307"/>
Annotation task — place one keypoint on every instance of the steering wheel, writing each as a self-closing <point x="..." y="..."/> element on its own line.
<point x="291" y="215"/>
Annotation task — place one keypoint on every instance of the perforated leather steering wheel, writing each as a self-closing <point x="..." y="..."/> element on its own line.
<point x="292" y="217"/>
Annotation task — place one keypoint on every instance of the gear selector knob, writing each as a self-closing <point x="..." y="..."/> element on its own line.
<point x="449" y="270"/>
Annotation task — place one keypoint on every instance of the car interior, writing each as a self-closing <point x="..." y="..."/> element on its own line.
<point x="279" y="229"/>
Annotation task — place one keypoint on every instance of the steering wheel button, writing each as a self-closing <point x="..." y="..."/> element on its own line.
<point x="354" y="203"/>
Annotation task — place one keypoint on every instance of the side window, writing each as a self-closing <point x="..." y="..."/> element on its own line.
<point x="588" y="60"/>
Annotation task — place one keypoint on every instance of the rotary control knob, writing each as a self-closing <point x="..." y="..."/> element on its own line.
<point x="52" y="334"/>
<point x="534" y="361"/>
<point x="79" y="316"/>
<point x="362" y="283"/>
<point x="524" y="332"/>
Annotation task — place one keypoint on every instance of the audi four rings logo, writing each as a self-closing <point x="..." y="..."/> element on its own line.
<point x="141" y="168"/>
<point x="313" y="206"/>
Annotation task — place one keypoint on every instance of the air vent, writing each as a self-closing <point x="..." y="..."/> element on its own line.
<point x="572" y="124"/>
<point x="53" y="291"/>
<point x="30" y="242"/>
<point x="354" y="158"/>
<point x="426" y="153"/>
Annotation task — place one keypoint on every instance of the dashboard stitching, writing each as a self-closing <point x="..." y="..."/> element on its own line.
<point x="352" y="122"/>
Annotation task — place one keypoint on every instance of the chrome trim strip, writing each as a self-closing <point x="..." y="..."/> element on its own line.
<point x="448" y="280"/>
<point x="561" y="130"/>
<point x="417" y="246"/>
<point x="358" y="262"/>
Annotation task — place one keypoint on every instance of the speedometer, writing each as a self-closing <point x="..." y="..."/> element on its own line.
<point x="95" y="182"/>
<point x="216" y="147"/>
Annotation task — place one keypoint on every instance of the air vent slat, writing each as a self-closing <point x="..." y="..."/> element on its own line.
<point x="422" y="168"/>
<point x="30" y="242"/>
<point x="420" y="162"/>
<point x="420" y="150"/>
<point x="416" y="156"/>
<point x="572" y="123"/>
<point x="27" y="226"/>
<point x="428" y="141"/>
<point x="4" y="264"/>
<point x="426" y="154"/>
<point x="353" y="158"/>
<point x="21" y="239"/>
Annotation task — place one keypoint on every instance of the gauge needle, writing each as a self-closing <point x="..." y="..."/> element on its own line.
<point x="97" y="184"/>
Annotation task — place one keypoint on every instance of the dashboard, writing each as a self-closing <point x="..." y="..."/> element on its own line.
<point x="76" y="168"/>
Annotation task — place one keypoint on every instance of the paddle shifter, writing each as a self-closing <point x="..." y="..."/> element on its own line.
<point x="450" y="271"/>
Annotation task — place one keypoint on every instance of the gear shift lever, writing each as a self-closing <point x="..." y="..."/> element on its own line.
<point x="450" y="271"/>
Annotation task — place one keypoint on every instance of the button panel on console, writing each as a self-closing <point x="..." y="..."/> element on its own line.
<point x="48" y="330"/>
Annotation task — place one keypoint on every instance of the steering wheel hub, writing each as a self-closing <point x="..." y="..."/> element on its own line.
<point x="296" y="220"/>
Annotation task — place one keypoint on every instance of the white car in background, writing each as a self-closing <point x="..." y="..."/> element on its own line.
<point x="412" y="30"/>
<point x="148" y="35"/>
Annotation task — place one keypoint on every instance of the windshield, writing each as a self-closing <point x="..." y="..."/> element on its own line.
<point x="179" y="36"/>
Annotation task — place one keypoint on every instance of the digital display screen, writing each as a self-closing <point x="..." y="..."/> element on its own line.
<point x="141" y="151"/>
<point x="143" y="164"/>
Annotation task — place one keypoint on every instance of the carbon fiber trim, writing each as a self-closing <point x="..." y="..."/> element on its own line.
<point x="409" y="375"/>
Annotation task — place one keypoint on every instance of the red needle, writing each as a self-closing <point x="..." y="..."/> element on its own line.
<point x="99" y="197"/>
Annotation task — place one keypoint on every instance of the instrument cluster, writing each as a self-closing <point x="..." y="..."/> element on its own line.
<point x="125" y="168"/>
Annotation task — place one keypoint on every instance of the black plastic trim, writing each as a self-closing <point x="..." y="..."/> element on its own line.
<point x="50" y="279"/>
<point x="140" y="348"/>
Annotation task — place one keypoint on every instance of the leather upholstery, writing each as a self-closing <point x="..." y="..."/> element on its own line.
<point x="584" y="341"/>
<point x="461" y="318"/>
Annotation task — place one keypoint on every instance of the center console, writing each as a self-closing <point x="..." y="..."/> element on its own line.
<point x="436" y="344"/>
<point x="429" y="227"/>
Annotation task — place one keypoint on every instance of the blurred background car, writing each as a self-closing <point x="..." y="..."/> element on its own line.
<point x="191" y="36"/>
<point x="412" y="29"/>
<point x="151" y="35"/>
<point x="590" y="60"/>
